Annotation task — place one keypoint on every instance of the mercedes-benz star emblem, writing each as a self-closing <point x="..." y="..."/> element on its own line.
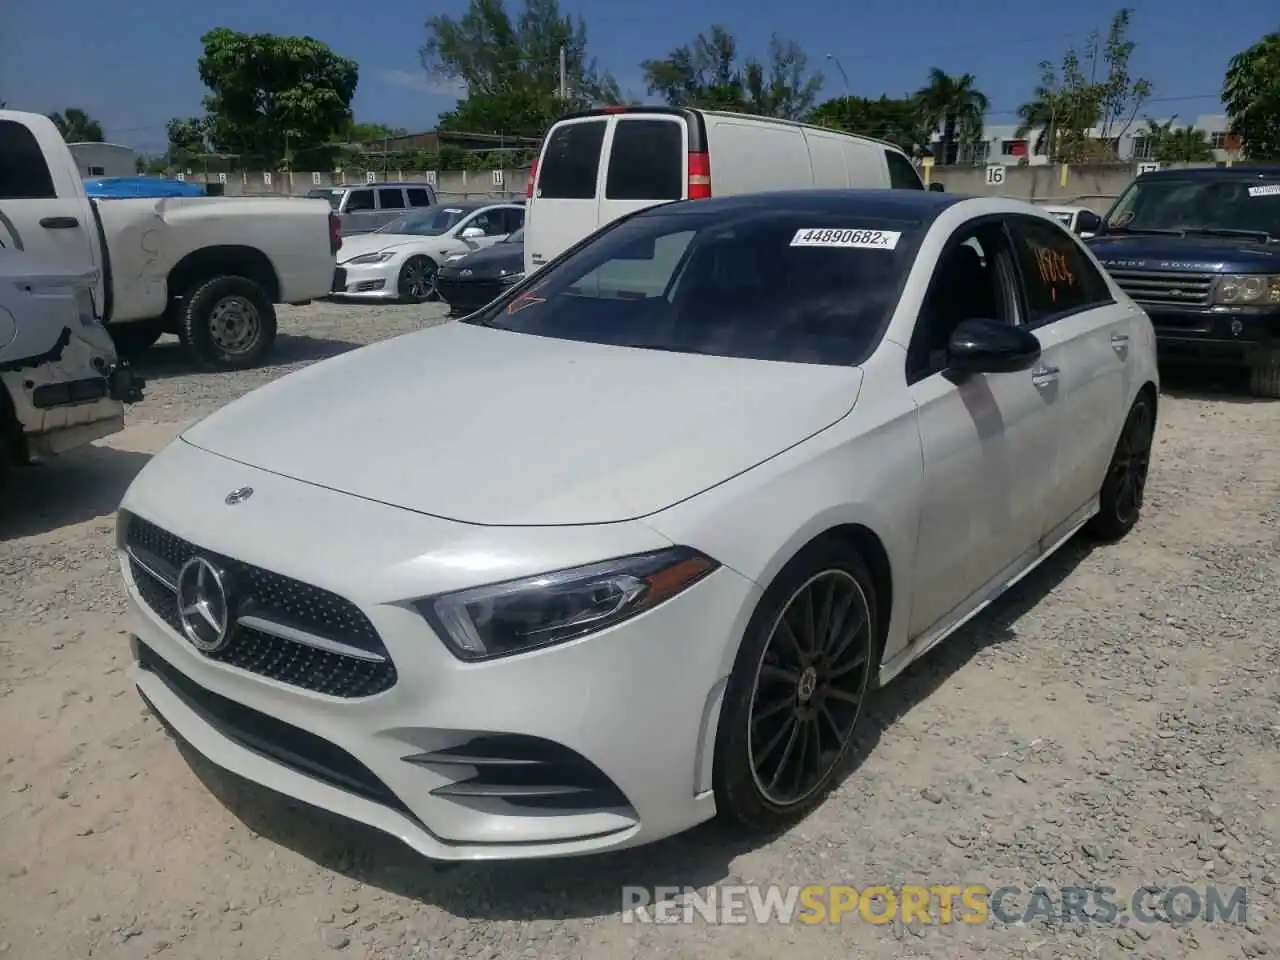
<point x="239" y="495"/>
<point x="203" y="608"/>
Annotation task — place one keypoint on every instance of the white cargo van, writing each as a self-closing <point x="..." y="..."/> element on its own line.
<point x="603" y="164"/>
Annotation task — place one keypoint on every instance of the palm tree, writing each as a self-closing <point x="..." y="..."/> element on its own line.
<point x="955" y="103"/>
<point x="1040" y="114"/>
<point x="76" y="126"/>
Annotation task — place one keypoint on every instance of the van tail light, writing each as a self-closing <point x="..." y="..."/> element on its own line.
<point x="335" y="233"/>
<point x="699" y="176"/>
<point x="533" y="176"/>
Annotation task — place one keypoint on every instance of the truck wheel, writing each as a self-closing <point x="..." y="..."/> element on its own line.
<point x="1264" y="375"/>
<point x="134" y="338"/>
<point x="227" y="323"/>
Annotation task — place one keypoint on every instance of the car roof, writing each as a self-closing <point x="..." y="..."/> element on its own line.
<point x="1246" y="171"/>
<point x="919" y="206"/>
<point x="370" y="186"/>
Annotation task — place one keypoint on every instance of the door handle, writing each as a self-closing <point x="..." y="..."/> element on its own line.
<point x="59" y="223"/>
<point x="1044" y="376"/>
<point x="1120" y="342"/>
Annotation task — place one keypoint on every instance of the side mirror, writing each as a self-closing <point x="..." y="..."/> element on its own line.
<point x="937" y="187"/>
<point x="1087" y="223"/>
<point x="472" y="233"/>
<point x="989" y="346"/>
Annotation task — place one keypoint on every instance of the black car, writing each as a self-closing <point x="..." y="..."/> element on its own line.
<point x="1199" y="250"/>
<point x="467" y="284"/>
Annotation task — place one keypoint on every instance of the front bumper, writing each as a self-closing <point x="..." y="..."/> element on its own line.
<point x="1214" y="334"/>
<point x="375" y="281"/>
<point x="468" y="296"/>
<point x="629" y="712"/>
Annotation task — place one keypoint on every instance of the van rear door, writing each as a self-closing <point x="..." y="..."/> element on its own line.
<point x="645" y="164"/>
<point x="563" y="205"/>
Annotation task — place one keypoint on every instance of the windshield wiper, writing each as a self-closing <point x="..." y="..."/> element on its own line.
<point x="1151" y="231"/>
<point x="1227" y="232"/>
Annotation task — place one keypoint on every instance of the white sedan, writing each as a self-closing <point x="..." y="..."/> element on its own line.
<point x="713" y="476"/>
<point x="399" y="261"/>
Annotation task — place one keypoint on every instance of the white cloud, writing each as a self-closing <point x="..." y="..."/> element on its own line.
<point x="422" y="82"/>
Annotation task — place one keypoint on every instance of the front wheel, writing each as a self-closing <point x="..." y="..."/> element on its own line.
<point x="417" y="280"/>
<point x="228" y="323"/>
<point x="1264" y="375"/>
<point x="798" y="689"/>
<point x="1120" y="501"/>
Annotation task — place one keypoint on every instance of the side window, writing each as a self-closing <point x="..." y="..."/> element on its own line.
<point x="571" y="162"/>
<point x="512" y="220"/>
<point x="97" y="171"/>
<point x="391" y="198"/>
<point x="23" y="173"/>
<point x="359" y="200"/>
<point x="1056" y="274"/>
<point x="971" y="281"/>
<point x="902" y="175"/>
<point x="646" y="161"/>
<point x="418" y="197"/>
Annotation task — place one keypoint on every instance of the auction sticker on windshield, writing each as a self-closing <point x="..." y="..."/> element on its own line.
<point x="1270" y="190"/>
<point x="849" y="239"/>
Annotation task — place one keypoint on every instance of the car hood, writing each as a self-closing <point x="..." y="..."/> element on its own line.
<point x="1185" y="254"/>
<point x="362" y="243"/>
<point x="488" y="263"/>
<point x="491" y="427"/>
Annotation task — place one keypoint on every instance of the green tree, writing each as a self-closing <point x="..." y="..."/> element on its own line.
<point x="1251" y="92"/>
<point x="274" y="97"/>
<point x="364" y="132"/>
<point x="1186" y="145"/>
<point x="707" y="72"/>
<point x="510" y="67"/>
<point x="900" y="121"/>
<point x="957" y="106"/>
<point x="76" y="126"/>
<point x="1120" y="95"/>
<point x="187" y="138"/>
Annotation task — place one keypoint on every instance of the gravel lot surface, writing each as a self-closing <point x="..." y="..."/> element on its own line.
<point x="1113" y="721"/>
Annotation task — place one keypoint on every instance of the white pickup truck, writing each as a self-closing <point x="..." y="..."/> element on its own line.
<point x="209" y="269"/>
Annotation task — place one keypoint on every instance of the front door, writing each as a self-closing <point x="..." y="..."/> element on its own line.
<point x="990" y="442"/>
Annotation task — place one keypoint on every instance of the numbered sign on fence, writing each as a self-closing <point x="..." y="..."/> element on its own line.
<point x="370" y="177"/>
<point x="431" y="177"/>
<point x="995" y="175"/>
<point x="498" y="179"/>
<point x="315" y="178"/>
<point x="222" y="178"/>
<point x="1149" y="167"/>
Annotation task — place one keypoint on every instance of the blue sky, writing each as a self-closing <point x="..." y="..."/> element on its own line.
<point x="134" y="66"/>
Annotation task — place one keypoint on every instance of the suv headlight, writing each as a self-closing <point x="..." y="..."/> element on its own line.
<point x="1247" y="289"/>
<point x="381" y="256"/>
<point x="510" y="278"/>
<point x="502" y="619"/>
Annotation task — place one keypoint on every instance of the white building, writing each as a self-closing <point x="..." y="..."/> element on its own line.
<point x="104" y="159"/>
<point x="1001" y="145"/>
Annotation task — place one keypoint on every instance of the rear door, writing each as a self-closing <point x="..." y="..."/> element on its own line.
<point x="645" y="163"/>
<point x="1084" y="334"/>
<point x="43" y="206"/>
<point x="564" y="205"/>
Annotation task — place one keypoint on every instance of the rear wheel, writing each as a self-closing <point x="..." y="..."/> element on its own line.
<point x="132" y="339"/>
<point x="1120" y="502"/>
<point x="227" y="323"/>
<point x="417" y="280"/>
<point x="797" y="690"/>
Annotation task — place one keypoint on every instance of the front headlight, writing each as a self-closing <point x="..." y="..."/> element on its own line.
<point x="453" y="257"/>
<point x="512" y="277"/>
<point x="381" y="256"/>
<point x="520" y="615"/>
<point x="1248" y="289"/>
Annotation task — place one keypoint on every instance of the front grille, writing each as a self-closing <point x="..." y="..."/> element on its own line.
<point x="523" y="771"/>
<point x="265" y="735"/>
<point x="1160" y="287"/>
<point x="156" y="556"/>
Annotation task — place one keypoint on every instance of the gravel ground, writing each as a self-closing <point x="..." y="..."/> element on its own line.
<point x="1113" y="721"/>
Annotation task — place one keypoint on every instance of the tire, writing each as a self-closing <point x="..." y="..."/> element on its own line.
<point x="133" y="339"/>
<point x="227" y="323"/>
<point x="751" y="742"/>
<point x="1120" y="501"/>
<point x="417" y="280"/>
<point x="1264" y="375"/>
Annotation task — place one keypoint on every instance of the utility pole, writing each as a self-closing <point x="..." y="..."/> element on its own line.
<point x="564" y="73"/>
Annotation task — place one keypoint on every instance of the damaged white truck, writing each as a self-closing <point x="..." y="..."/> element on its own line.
<point x="209" y="269"/>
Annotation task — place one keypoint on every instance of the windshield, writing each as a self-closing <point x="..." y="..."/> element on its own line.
<point x="1234" y="204"/>
<point x="425" y="223"/>
<point x="517" y="237"/>
<point x="333" y="196"/>
<point x="760" y="284"/>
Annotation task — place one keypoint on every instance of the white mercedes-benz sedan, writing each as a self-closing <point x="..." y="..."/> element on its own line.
<point x="628" y="547"/>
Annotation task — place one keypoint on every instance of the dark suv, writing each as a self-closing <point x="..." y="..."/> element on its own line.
<point x="1199" y="250"/>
